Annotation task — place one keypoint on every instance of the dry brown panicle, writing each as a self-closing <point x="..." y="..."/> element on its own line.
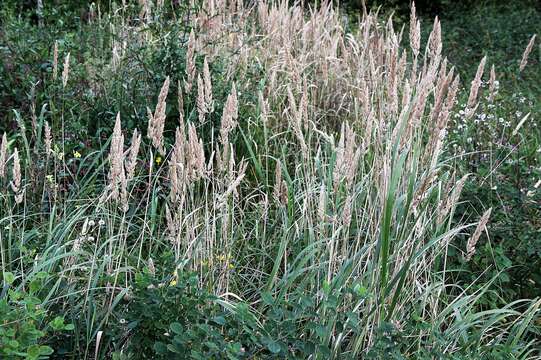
<point x="280" y="187"/>
<point x="470" y="246"/>
<point x="177" y="165"/>
<point x="195" y="155"/>
<point x="229" y="117"/>
<point x="66" y="70"/>
<point x="55" y="60"/>
<point x="201" y="104"/>
<point x="3" y="155"/>
<point x="190" y="63"/>
<point x="415" y="32"/>
<point x="451" y="200"/>
<point x="492" y="88"/>
<point x="263" y="109"/>
<point x="131" y="161"/>
<point x="157" y="121"/>
<point x="17" y="178"/>
<point x="48" y="138"/>
<point x="117" y="183"/>
<point x="475" y="85"/>
<point x="526" y="53"/>
<point x="209" y="102"/>
<point x="296" y="115"/>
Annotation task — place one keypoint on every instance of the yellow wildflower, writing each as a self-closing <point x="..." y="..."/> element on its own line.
<point x="221" y="258"/>
<point x="76" y="154"/>
<point x="158" y="159"/>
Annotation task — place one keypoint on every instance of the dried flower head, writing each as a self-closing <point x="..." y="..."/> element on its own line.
<point x="190" y="63"/>
<point x="209" y="102"/>
<point x="157" y="120"/>
<point x="3" y="155"/>
<point x="526" y="53"/>
<point x="201" y="104"/>
<point x="470" y="246"/>
<point x="131" y="161"/>
<point x="476" y="84"/>
<point x="229" y="117"/>
<point x="66" y="70"/>
<point x="195" y="155"/>
<point x="16" y="181"/>
<point x="55" y="60"/>
<point x="117" y="184"/>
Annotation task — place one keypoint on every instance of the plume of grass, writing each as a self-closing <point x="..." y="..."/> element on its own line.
<point x="529" y="47"/>
<point x="156" y="121"/>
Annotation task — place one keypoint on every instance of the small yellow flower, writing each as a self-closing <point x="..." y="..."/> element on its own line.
<point x="158" y="160"/>
<point x="173" y="283"/>
<point x="76" y="154"/>
<point x="231" y="266"/>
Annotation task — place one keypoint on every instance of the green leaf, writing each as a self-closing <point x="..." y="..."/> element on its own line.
<point x="33" y="352"/>
<point x="267" y="298"/>
<point x="273" y="347"/>
<point x="177" y="328"/>
<point x="9" y="278"/>
<point x="34" y="286"/>
<point x="220" y="320"/>
<point x="57" y="323"/>
<point x="160" y="348"/>
<point x="45" y="350"/>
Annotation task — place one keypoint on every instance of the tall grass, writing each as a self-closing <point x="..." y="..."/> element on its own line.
<point x="318" y="168"/>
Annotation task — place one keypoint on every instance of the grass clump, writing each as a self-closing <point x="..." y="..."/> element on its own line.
<point x="248" y="182"/>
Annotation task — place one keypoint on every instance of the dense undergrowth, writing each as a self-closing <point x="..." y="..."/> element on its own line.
<point x="212" y="180"/>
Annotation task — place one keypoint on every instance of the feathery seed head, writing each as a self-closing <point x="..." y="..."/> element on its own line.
<point x="3" y="155"/>
<point x="66" y="71"/>
<point x="524" y="60"/>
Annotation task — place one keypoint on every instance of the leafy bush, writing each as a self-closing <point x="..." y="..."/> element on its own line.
<point x="24" y="327"/>
<point x="176" y="317"/>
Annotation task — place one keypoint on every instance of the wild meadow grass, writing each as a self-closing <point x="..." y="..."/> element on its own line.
<point x="213" y="179"/>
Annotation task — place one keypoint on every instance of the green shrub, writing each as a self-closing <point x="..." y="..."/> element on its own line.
<point x="25" y="330"/>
